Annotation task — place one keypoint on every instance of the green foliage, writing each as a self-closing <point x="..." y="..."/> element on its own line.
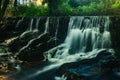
<point x="65" y="9"/>
<point x="94" y="7"/>
<point x="32" y="10"/>
<point x="89" y="9"/>
<point x="100" y="6"/>
<point x="116" y="5"/>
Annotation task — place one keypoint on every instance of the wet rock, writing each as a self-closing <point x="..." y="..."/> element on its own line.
<point x="29" y="43"/>
<point x="20" y="41"/>
<point x="109" y="69"/>
<point x="62" y="29"/>
<point x="8" y="28"/>
<point x="33" y="51"/>
<point x="23" y="24"/>
<point x="110" y="66"/>
<point x="9" y="63"/>
<point x="115" y="32"/>
<point x="4" y="77"/>
<point x="89" y="69"/>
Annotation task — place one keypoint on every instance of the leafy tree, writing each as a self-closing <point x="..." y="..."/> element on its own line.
<point x="65" y="9"/>
<point x="54" y="6"/>
<point x="32" y="10"/>
<point x="59" y="7"/>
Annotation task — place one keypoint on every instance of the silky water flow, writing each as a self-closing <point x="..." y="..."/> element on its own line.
<point x="86" y="37"/>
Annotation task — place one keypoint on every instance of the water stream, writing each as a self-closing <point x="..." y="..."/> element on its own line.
<point x="87" y="36"/>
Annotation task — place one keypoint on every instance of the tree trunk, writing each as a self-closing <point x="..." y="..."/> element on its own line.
<point x="0" y="6"/>
<point x="3" y="8"/>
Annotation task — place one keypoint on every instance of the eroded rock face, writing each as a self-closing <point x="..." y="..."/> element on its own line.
<point x="26" y="37"/>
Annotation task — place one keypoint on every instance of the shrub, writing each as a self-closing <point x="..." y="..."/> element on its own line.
<point x="32" y="10"/>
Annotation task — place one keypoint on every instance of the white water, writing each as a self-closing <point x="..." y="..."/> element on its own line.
<point x="31" y="25"/>
<point x="37" y="24"/>
<point x="61" y="78"/>
<point x="18" y="23"/>
<point x="31" y="30"/>
<point x="87" y="36"/>
<point x="56" y="33"/>
<point x="47" y="26"/>
<point x="84" y="36"/>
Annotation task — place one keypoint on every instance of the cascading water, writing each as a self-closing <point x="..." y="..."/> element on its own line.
<point x="86" y="34"/>
<point x="31" y="29"/>
<point x="47" y="26"/>
<point x="37" y="24"/>
<point x="86" y="37"/>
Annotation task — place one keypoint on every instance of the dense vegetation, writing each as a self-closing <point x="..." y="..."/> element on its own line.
<point x="26" y="8"/>
<point x="59" y="7"/>
<point x="91" y="7"/>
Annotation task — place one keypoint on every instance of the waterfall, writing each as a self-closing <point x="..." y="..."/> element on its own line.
<point x="56" y="32"/>
<point x="18" y="23"/>
<point x="86" y="34"/>
<point x="47" y="25"/>
<point x="34" y="30"/>
<point x="86" y="37"/>
<point x="31" y="25"/>
<point x="37" y="24"/>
